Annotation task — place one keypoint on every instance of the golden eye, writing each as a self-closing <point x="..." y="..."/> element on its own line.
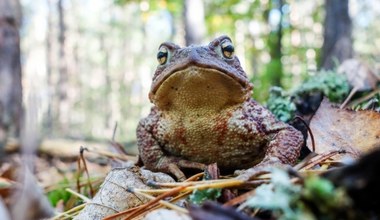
<point x="228" y="49"/>
<point x="162" y="55"/>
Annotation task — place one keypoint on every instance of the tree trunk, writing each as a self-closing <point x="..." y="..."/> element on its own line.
<point x="194" y="21"/>
<point x="337" y="45"/>
<point x="275" y="71"/>
<point x="108" y="82"/>
<point x="62" y="111"/>
<point x="49" y="67"/>
<point x="10" y="70"/>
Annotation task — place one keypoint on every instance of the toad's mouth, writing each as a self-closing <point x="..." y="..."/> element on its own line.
<point x="199" y="88"/>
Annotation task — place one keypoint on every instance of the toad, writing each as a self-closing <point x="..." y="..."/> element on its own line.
<point x="203" y="113"/>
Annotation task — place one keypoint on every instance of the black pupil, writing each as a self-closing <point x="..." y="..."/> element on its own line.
<point x="229" y="48"/>
<point x="162" y="54"/>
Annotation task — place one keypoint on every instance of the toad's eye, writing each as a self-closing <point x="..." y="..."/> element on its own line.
<point x="228" y="49"/>
<point x="162" y="55"/>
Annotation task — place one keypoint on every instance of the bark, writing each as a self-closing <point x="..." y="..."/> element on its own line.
<point x="10" y="70"/>
<point x="194" y="21"/>
<point x="337" y="45"/>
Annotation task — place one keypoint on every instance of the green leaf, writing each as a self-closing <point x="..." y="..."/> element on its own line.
<point x="333" y="85"/>
<point x="59" y="194"/>
<point x="200" y="196"/>
<point x="280" y="105"/>
<point x="317" y="188"/>
<point x="324" y="194"/>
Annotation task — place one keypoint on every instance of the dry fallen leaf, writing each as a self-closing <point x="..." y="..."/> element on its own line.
<point x="359" y="75"/>
<point x="355" y="132"/>
<point x="113" y="196"/>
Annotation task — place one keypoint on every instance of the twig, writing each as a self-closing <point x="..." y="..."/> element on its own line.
<point x="309" y="130"/>
<point x="153" y="201"/>
<point x="162" y="202"/>
<point x="75" y="209"/>
<point x="94" y="180"/>
<point x="305" y="161"/>
<point x="353" y="91"/>
<point x="112" y="155"/>
<point x="114" y="132"/>
<point x="240" y="199"/>
<point x="195" y="177"/>
<point x="78" y="174"/>
<point x="188" y="183"/>
<point x="308" y="172"/>
<point x="157" y="206"/>
<point x="123" y="153"/>
<point x="175" y="199"/>
<point x="119" y="214"/>
<point x="81" y="158"/>
<point x="365" y="98"/>
<point x="84" y="198"/>
<point x="320" y="158"/>
<point x="203" y="185"/>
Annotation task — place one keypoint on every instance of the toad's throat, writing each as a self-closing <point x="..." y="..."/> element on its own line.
<point x="197" y="88"/>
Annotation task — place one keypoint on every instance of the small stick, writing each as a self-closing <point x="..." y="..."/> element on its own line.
<point x="309" y="131"/>
<point x="121" y="213"/>
<point x="84" y="198"/>
<point x="320" y="158"/>
<point x="113" y="155"/>
<point x="226" y="184"/>
<point x="95" y="180"/>
<point x="353" y="91"/>
<point x="365" y="98"/>
<point x="114" y="132"/>
<point x="175" y="199"/>
<point x="307" y="172"/>
<point x="204" y="184"/>
<point x="78" y="174"/>
<point x="305" y="161"/>
<point x="82" y="149"/>
<point x="165" y="203"/>
<point x="240" y="199"/>
<point x="192" y="183"/>
<point x="195" y="177"/>
<point x="153" y="201"/>
<point x="75" y="209"/>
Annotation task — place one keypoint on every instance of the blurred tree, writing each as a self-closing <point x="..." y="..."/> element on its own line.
<point x="49" y="67"/>
<point x="274" y="69"/>
<point x="62" y="85"/>
<point x="10" y="70"/>
<point x="337" y="44"/>
<point x="194" y="21"/>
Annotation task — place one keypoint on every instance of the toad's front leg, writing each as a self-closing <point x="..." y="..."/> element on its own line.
<point x="283" y="148"/>
<point x="152" y="155"/>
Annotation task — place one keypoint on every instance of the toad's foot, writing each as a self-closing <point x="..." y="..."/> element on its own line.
<point x="251" y="173"/>
<point x="261" y="168"/>
<point x="173" y="166"/>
